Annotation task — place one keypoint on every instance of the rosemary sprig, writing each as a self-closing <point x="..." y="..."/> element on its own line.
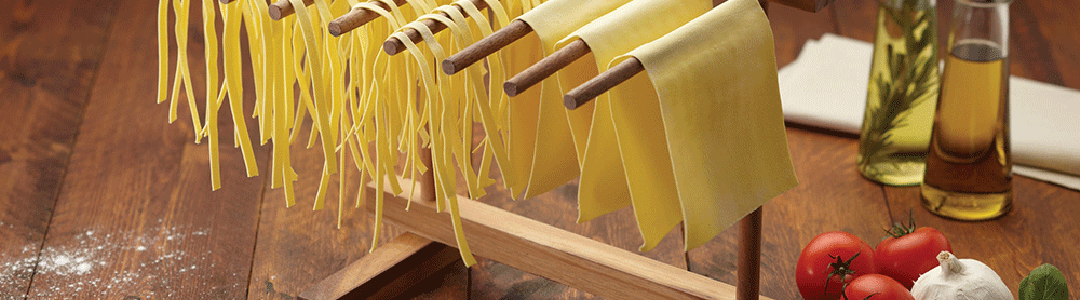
<point x="911" y="79"/>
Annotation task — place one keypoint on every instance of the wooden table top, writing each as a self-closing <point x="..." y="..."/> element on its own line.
<point x="100" y="198"/>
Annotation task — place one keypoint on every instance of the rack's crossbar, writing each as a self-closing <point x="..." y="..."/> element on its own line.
<point x="571" y="259"/>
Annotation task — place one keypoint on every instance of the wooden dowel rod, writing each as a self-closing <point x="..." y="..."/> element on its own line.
<point x="747" y="284"/>
<point x="749" y="256"/>
<point x="602" y="83"/>
<point x="477" y="51"/>
<point x="357" y="17"/>
<point x="394" y="46"/>
<point x="545" y="67"/>
<point x="283" y="8"/>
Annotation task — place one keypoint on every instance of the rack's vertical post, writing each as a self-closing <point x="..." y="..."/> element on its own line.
<point x="750" y="243"/>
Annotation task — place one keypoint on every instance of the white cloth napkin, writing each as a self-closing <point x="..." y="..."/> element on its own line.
<point x="826" y="87"/>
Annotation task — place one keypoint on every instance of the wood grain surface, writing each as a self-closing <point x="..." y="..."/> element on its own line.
<point x="100" y="198"/>
<point x="298" y="246"/>
<point x="136" y="216"/>
<point x="45" y="77"/>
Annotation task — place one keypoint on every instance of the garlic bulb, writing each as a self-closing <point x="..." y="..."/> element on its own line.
<point x="960" y="279"/>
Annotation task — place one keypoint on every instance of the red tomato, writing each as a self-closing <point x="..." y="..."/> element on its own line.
<point x="907" y="254"/>
<point x="876" y="287"/>
<point x="829" y="261"/>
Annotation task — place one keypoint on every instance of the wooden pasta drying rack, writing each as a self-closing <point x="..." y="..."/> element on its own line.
<point x="531" y="246"/>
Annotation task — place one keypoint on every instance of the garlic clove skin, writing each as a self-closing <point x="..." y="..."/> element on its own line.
<point x="960" y="279"/>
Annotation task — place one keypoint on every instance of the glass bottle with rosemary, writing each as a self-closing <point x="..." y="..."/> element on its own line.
<point x="901" y="93"/>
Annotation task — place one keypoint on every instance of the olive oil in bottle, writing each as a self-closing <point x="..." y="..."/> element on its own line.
<point x="901" y="93"/>
<point x="968" y="169"/>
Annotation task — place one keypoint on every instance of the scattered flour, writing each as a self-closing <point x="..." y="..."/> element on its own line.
<point x="93" y="266"/>
<point x="83" y="267"/>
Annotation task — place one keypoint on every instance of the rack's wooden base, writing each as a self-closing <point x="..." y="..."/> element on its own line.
<point x="531" y="246"/>
<point x="386" y="273"/>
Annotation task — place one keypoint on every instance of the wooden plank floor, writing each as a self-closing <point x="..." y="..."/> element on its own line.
<point x="44" y="96"/>
<point x="100" y="198"/>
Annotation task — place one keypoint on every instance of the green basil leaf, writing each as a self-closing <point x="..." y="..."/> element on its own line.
<point x="1044" y="283"/>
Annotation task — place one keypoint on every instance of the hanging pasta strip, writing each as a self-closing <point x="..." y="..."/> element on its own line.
<point x="183" y="74"/>
<point x="493" y="140"/>
<point x="363" y="114"/>
<point x="320" y="118"/>
<point x="279" y="98"/>
<point x="500" y="13"/>
<point x="269" y="91"/>
<point x="402" y="91"/>
<point x="180" y="18"/>
<point x="502" y="112"/>
<point x="234" y="83"/>
<point x="434" y="134"/>
<point x="284" y="119"/>
<point x="317" y="106"/>
<point x="431" y="102"/>
<point x="410" y="143"/>
<point x="224" y="11"/>
<point x="366" y="90"/>
<point x="476" y="92"/>
<point x="450" y="197"/>
<point x="441" y="147"/>
<point x="288" y="71"/>
<point x="440" y="150"/>
<point x="386" y="158"/>
<point x="526" y="5"/>
<point x="212" y="105"/>
<point x="255" y="59"/>
<point x="275" y="78"/>
<point x="326" y="103"/>
<point x="381" y="148"/>
<point x="460" y="141"/>
<point x="362" y="139"/>
<point x="292" y="106"/>
<point x="303" y="79"/>
<point x="421" y="6"/>
<point x="399" y="18"/>
<point x="369" y="115"/>
<point x="379" y="175"/>
<point x="496" y="98"/>
<point x="257" y="49"/>
<point x="437" y="51"/>
<point x="346" y="129"/>
<point x="332" y="60"/>
<point x="352" y="67"/>
<point x="402" y="115"/>
<point x="163" y="50"/>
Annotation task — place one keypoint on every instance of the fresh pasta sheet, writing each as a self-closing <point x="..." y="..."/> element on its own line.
<point x="720" y="105"/>
<point x="626" y="153"/>
<point x="550" y="166"/>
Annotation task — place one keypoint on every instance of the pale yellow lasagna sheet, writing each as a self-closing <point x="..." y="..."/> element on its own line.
<point x="627" y="127"/>
<point x="550" y="162"/>
<point x="720" y="103"/>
